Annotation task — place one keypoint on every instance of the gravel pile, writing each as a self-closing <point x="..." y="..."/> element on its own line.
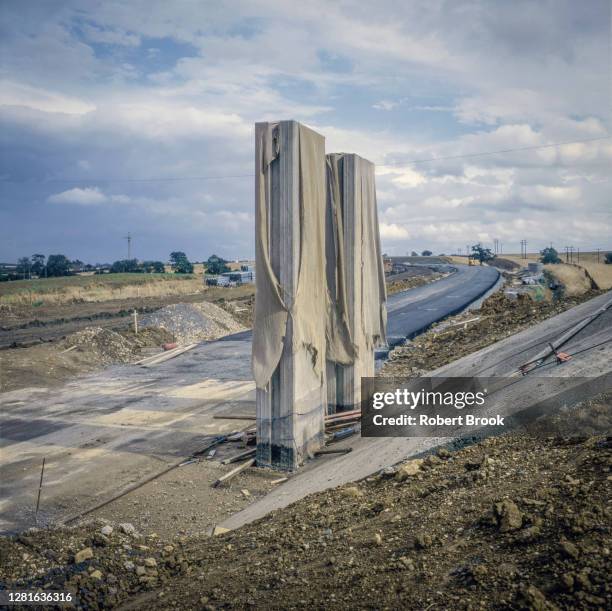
<point x="193" y="322"/>
<point x="107" y="346"/>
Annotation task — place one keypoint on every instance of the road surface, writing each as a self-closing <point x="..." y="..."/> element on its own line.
<point x="128" y="422"/>
<point x="412" y="312"/>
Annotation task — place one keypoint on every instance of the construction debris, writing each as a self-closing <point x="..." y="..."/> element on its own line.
<point x="229" y="475"/>
<point x="499" y="317"/>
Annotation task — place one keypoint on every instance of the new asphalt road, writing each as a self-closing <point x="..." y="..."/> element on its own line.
<point x="412" y="312"/>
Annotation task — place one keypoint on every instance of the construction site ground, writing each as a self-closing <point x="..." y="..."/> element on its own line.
<point x="180" y="507"/>
<point x="512" y="522"/>
<point x="34" y="341"/>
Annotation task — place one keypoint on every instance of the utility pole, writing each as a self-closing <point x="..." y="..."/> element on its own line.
<point x="598" y="249"/>
<point x="128" y="237"/>
<point x="578" y="249"/>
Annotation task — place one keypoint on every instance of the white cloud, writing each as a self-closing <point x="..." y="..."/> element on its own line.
<point x="89" y="196"/>
<point x="393" y="232"/>
<point x="20" y="94"/>
<point x="385" y="105"/>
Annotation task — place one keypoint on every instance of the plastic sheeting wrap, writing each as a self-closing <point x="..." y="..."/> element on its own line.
<point x="357" y="314"/>
<point x="306" y="303"/>
<point x="374" y="289"/>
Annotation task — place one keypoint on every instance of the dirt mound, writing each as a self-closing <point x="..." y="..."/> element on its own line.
<point x="513" y="522"/>
<point x="192" y="322"/>
<point x="504" y="264"/>
<point x="406" y="281"/>
<point x="108" y="346"/>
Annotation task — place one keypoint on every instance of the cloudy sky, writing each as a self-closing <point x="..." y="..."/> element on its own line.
<point x="109" y="107"/>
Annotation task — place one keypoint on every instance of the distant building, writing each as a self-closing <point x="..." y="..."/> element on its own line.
<point x="244" y="275"/>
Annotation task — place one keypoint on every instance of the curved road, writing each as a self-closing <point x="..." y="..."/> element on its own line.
<point x="412" y="312"/>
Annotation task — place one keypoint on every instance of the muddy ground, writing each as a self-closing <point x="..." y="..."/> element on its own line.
<point x="499" y="317"/>
<point x="512" y="522"/>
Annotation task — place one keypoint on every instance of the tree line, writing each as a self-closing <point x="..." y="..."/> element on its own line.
<point x="39" y="266"/>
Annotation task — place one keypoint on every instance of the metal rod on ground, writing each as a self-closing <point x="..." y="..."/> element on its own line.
<point x="234" y="472"/>
<point x="333" y="451"/>
<point x="140" y="484"/>
<point x="42" y="473"/>
<point x="235" y="417"/>
<point x="242" y="455"/>
<point x="540" y="357"/>
<point x="343" y="433"/>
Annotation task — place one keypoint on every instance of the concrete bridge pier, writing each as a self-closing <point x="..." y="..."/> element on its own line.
<point x="355" y="278"/>
<point x="291" y="298"/>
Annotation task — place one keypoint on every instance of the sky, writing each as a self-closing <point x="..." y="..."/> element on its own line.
<point x="110" y="110"/>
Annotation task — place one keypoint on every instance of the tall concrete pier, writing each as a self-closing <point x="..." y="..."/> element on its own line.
<point x="291" y="300"/>
<point x="355" y="278"/>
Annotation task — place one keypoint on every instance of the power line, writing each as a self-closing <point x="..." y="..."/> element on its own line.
<point x="513" y="150"/>
<point x="235" y="176"/>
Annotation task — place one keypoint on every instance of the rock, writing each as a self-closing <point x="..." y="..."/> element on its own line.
<point x="408" y="469"/>
<point x="245" y="493"/>
<point x="536" y="600"/>
<point x="432" y="460"/>
<point x="107" y="530"/>
<point x="150" y="562"/>
<point x="127" y="528"/>
<point x="96" y="575"/>
<point x="377" y="539"/>
<point x="387" y="472"/>
<point x="443" y="453"/>
<point x="509" y="516"/>
<point x="529" y="534"/>
<point x="219" y="530"/>
<point x="567" y="581"/>
<point x="406" y="563"/>
<point x="100" y="540"/>
<point x="351" y="492"/>
<point x="140" y="570"/>
<point x="569" y="549"/>
<point x="84" y="554"/>
<point x="128" y="565"/>
<point x="582" y="579"/>
<point x="422" y="541"/>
